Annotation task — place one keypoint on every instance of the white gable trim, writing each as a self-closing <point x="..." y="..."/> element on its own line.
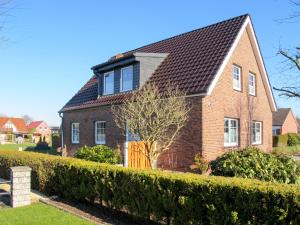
<point x="257" y="54"/>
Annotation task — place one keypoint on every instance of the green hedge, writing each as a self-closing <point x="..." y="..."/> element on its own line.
<point x="293" y="139"/>
<point x="280" y="140"/>
<point x="162" y="196"/>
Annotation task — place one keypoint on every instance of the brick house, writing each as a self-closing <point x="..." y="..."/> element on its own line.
<point x="39" y="130"/>
<point x="221" y="69"/>
<point x="284" y="121"/>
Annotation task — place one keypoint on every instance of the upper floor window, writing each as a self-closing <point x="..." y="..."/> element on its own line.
<point x="256" y="133"/>
<point x="108" y="83"/>
<point x="237" y="81"/>
<point x="126" y="82"/>
<point x="251" y="84"/>
<point x="100" y="132"/>
<point x="231" y="132"/>
<point x="75" y="133"/>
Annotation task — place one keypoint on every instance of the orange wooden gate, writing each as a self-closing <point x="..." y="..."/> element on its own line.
<point x="136" y="155"/>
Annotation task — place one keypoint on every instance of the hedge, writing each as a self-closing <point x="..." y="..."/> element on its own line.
<point x="280" y="140"/>
<point x="162" y="196"/>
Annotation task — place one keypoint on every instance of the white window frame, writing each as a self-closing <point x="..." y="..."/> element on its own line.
<point x="121" y="79"/>
<point x="73" y="128"/>
<point x="252" y="88"/>
<point x="239" y="75"/>
<point x="100" y="142"/>
<point x="254" y="135"/>
<point x="229" y="143"/>
<point x="107" y="74"/>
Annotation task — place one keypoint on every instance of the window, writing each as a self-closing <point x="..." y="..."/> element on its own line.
<point x="276" y="130"/>
<point x="237" y="78"/>
<point x="231" y="132"/>
<point x="75" y="133"/>
<point x="108" y="87"/>
<point x="100" y="132"/>
<point x="251" y="84"/>
<point x="256" y="133"/>
<point x="126" y="81"/>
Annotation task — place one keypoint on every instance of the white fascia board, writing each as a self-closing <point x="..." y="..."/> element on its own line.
<point x="261" y="62"/>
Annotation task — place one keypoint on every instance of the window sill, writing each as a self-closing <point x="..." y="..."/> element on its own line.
<point x="231" y="146"/>
<point x="255" y="144"/>
<point x="75" y="143"/>
<point x="100" y="143"/>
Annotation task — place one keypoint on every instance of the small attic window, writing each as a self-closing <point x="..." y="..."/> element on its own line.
<point x="126" y="82"/>
<point x="108" y="83"/>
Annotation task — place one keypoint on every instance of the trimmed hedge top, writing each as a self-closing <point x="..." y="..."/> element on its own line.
<point x="164" y="197"/>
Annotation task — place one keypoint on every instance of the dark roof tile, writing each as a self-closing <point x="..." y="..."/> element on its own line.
<point x="193" y="60"/>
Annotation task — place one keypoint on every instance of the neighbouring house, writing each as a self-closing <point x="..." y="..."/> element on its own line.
<point x="40" y="131"/>
<point x="55" y="129"/>
<point x="221" y="70"/>
<point x="12" y="129"/>
<point x="284" y="121"/>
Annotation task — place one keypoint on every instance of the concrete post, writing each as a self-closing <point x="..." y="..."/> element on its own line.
<point x="20" y="177"/>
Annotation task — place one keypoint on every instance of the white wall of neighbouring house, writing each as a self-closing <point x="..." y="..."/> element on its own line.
<point x="10" y="125"/>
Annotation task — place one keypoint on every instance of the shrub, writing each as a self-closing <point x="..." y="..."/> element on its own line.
<point x="161" y="196"/>
<point x="280" y="140"/>
<point x="293" y="139"/>
<point x="98" y="153"/>
<point x="55" y="140"/>
<point x="42" y="145"/>
<point x="253" y="163"/>
<point x="202" y="164"/>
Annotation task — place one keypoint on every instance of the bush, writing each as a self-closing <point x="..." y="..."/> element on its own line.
<point x="55" y="140"/>
<point x="42" y="145"/>
<point x="280" y="140"/>
<point x="253" y="163"/>
<point x="161" y="196"/>
<point x="98" y="153"/>
<point x="202" y="164"/>
<point x="293" y="139"/>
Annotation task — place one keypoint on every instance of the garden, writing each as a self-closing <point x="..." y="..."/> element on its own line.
<point x="174" y="198"/>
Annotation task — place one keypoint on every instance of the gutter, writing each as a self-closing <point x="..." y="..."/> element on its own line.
<point x="61" y="115"/>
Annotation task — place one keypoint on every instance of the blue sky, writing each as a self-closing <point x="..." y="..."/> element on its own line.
<point x="53" y="44"/>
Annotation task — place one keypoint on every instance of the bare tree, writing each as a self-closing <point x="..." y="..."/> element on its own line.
<point x="292" y="58"/>
<point x="154" y="117"/>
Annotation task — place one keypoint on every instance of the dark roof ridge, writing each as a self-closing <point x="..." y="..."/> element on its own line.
<point x="185" y="33"/>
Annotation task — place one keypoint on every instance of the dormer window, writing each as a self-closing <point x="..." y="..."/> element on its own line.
<point x="108" y="83"/>
<point x="126" y="82"/>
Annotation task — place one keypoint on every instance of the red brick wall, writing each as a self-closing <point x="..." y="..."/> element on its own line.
<point x="290" y="124"/>
<point x="87" y="118"/>
<point x="226" y="102"/>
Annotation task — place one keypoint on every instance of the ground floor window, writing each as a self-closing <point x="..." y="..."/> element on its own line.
<point x="100" y="132"/>
<point x="75" y="133"/>
<point x="256" y="132"/>
<point x="231" y="132"/>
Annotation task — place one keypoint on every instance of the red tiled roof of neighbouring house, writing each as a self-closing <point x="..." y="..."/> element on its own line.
<point x="192" y="62"/>
<point x="280" y="116"/>
<point x="34" y="125"/>
<point x="18" y="122"/>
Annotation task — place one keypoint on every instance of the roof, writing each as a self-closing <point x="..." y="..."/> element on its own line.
<point x="193" y="61"/>
<point x="18" y="122"/>
<point x="34" y="124"/>
<point x="280" y="116"/>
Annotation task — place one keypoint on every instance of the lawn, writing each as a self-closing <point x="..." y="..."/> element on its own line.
<point x="26" y="146"/>
<point x="16" y="146"/>
<point x="38" y="214"/>
<point x="289" y="150"/>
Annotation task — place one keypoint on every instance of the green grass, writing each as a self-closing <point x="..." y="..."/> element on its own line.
<point x="288" y="150"/>
<point x="16" y="146"/>
<point x="27" y="147"/>
<point x="38" y="214"/>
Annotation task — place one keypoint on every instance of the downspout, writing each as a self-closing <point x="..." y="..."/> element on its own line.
<point x="61" y="115"/>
